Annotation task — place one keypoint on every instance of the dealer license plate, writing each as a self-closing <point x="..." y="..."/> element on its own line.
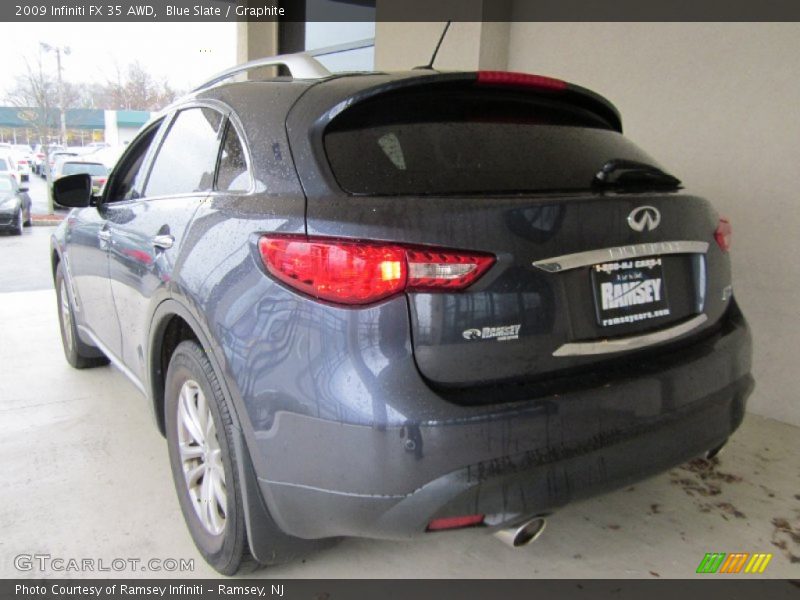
<point x="629" y="291"/>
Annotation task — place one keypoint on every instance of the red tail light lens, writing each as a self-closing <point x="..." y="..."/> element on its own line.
<point x="455" y="522"/>
<point x="348" y="272"/>
<point x="507" y="78"/>
<point x="723" y="234"/>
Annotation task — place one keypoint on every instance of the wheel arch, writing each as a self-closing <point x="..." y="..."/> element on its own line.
<point x="171" y="322"/>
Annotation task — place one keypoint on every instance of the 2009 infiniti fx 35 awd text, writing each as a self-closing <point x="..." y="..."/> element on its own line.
<point x="391" y="304"/>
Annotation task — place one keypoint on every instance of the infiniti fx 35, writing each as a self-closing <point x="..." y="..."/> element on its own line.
<point x="391" y="304"/>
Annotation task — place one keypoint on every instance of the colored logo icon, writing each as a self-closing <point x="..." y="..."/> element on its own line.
<point x="736" y="562"/>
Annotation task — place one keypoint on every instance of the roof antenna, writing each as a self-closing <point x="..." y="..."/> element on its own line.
<point x="436" y="50"/>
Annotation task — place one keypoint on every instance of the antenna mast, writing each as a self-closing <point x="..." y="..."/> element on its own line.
<point x="439" y="45"/>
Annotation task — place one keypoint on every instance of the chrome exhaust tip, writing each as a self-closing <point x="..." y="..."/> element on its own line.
<point x="523" y="533"/>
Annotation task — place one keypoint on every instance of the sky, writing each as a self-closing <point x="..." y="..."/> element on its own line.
<point x="183" y="53"/>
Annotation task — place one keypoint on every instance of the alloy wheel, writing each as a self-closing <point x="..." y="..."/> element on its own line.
<point x="66" y="316"/>
<point x="201" y="458"/>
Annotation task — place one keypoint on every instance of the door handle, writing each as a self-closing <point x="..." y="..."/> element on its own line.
<point x="104" y="235"/>
<point x="163" y="241"/>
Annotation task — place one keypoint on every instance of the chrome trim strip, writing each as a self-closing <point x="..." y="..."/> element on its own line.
<point x="630" y="343"/>
<point x="593" y="257"/>
<point x="114" y="360"/>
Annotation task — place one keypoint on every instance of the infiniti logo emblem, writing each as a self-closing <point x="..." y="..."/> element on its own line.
<point x="644" y="218"/>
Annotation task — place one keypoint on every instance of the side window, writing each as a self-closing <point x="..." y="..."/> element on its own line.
<point x="233" y="175"/>
<point x="127" y="178"/>
<point x="186" y="159"/>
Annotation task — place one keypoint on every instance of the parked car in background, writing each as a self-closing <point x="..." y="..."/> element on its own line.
<point x="388" y="305"/>
<point x="15" y="205"/>
<point x="23" y="156"/>
<point x="40" y="159"/>
<point x="8" y="165"/>
<point x="75" y="165"/>
<point x="108" y="155"/>
<point x="56" y="156"/>
<point x="80" y="150"/>
<point x="24" y="150"/>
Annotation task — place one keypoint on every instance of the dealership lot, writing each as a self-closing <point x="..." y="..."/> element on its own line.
<point x="87" y="476"/>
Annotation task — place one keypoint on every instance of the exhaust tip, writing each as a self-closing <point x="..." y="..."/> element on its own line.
<point x="522" y="534"/>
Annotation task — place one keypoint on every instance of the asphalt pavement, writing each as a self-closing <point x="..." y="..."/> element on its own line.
<point x="26" y="257"/>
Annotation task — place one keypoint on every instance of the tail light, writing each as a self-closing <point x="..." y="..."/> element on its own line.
<point x="455" y="522"/>
<point x="723" y="234"/>
<point x="507" y="78"/>
<point x="349" y="272"/>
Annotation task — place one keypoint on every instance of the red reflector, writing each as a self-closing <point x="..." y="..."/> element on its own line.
<point x="455" y="522"/>
<point x="723" y="234"/>
<point x="508" y="78"/>
<point x="349" y="272"/>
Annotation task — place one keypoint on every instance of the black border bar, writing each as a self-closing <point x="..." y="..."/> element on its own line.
<point x="297" y="11"/>
<point x="709" y="588"/>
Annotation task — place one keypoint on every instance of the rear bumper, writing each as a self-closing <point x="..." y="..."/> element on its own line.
<point x="324" y="478"/>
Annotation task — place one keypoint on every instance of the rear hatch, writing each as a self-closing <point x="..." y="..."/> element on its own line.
<point x="594" y="241"/>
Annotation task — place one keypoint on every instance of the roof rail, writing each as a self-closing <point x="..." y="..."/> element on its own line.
<point x="301" y="65"/>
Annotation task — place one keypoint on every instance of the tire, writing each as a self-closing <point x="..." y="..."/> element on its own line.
<point x="29" y="221"/>
<point x="203" y="463"/>
<point x="16" y="229"/>
<point x="79" y="354"/>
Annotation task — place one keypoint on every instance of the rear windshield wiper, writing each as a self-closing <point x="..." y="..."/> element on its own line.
<point x="627" y="174"/>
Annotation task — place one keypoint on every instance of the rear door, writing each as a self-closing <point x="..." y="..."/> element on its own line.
<point x="582" y="257"/>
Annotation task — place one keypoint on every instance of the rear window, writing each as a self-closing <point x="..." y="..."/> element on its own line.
<point x="475" y="142"/>
<point x="90" y="168"/>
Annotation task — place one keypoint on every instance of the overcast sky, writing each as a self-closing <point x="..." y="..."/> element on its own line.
<point x="183" y="53"/>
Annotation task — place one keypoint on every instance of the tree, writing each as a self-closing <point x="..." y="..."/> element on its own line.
<point x="134" y="89"/>
<point x="36" y="93"/>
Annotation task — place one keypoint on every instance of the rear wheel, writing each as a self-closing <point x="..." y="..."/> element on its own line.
<point x="199" y="436"/>
<point x="79" y="354"/>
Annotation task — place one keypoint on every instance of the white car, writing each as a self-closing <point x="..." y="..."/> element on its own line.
<point x="75" y="165"/>
<point x="23" y="155"/>
<point x="7" y="164"/>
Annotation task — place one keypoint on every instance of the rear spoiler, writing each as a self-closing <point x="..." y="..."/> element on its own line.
<point x="536" y="84"/>
<point x="571" y="93"/>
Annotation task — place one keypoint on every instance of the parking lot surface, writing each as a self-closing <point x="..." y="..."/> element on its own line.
<point x="86" y="475"/>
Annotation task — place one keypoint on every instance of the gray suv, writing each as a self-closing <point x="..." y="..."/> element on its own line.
<point x="394" y="304"/>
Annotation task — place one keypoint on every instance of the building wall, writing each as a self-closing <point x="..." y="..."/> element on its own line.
<point x="718" y="104"/>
